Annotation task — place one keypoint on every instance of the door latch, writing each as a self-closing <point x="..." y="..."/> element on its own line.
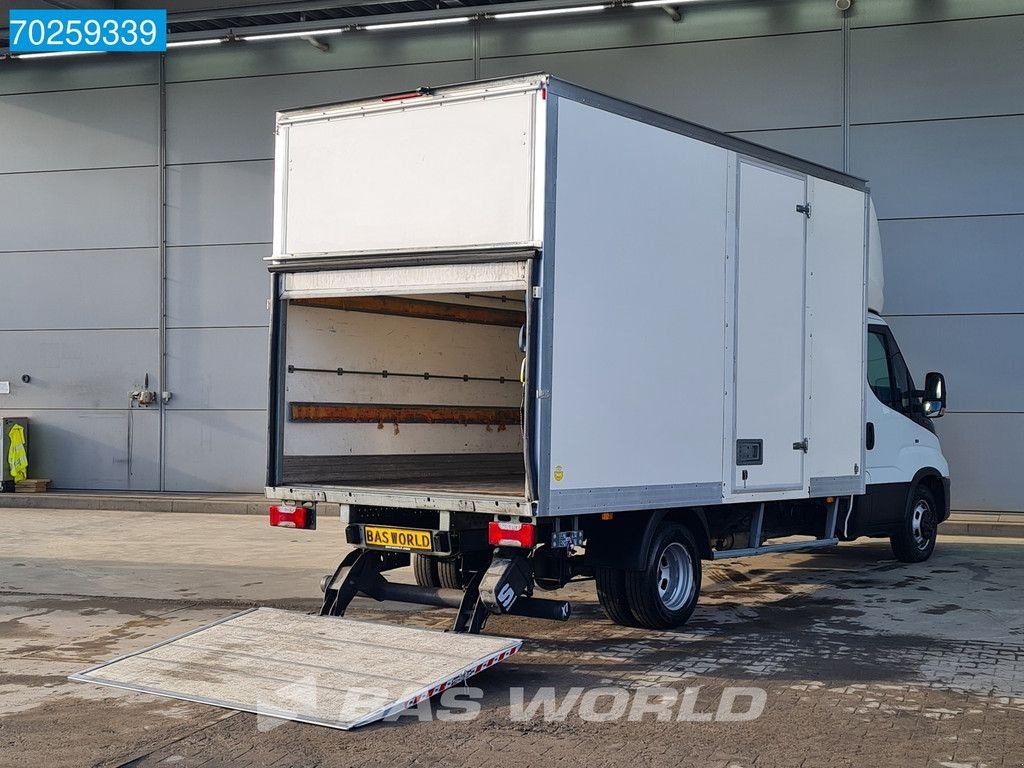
<point x="805" y="209"/>
<point x="801" y="446"/>
<point x="143" y="396"/>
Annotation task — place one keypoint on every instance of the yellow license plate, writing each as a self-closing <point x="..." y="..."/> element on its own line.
<point x="397" y="538"/>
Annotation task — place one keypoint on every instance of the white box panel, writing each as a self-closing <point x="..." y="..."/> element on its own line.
<point x="768" y="394"/>
<point x="835" y="307"/>
<point x="637" y="369"/>
<point x="431" y="175"/>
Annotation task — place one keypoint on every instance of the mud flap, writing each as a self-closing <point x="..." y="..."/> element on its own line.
<point x="504" y="582"/>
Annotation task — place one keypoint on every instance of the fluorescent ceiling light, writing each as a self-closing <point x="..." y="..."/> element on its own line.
<point x="424" y="23"/>
<point x="193" y="43"/>
<point x="49" y="54"/>
<point x="549" y="11"/>
<point x="305" y="33"/>
<point x="652" y="3"/>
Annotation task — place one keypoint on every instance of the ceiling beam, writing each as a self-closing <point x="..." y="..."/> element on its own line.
<point x="81" y="5"/>
<point x="384" y="17"/>
<point x="265" y="9"/>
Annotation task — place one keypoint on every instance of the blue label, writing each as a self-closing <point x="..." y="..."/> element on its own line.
<point x="56" y="31"/>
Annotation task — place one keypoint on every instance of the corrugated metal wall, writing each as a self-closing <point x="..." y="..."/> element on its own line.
<point x="923" y="98"/>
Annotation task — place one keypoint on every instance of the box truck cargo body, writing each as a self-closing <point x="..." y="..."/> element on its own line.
<point x="528" y="333"/>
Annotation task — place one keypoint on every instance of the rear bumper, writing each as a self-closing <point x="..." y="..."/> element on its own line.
<point x="376" y="497"/>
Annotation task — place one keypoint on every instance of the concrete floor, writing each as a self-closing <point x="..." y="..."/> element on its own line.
<point x="862" y="660"/>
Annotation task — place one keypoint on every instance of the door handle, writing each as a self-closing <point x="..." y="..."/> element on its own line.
<point x="869" y="436"/>
<point x="801" y="446"/>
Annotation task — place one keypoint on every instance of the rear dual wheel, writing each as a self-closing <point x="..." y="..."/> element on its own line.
<point x="611" y="593"/>
<point x="446" y="572"/>
<point x="424" y="568"/>
<point x="664" y="593"/>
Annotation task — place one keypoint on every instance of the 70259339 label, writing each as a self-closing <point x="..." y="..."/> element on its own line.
<point x="33" y="31"/>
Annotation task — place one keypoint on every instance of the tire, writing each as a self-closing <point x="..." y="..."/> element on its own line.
<point x="424" y="568"/>
<point x="914" y="542"/>
<point x="664" y="594"/>
<point x="449" y="572"/>
<point x="455" y="572"/>
<point x="611" y="592"/>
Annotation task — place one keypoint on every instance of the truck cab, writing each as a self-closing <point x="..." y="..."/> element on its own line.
<point x="907" y="477"/>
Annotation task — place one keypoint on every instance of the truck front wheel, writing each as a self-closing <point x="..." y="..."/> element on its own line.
<point x="665" y="592"/>
<point x="914" y="541"/>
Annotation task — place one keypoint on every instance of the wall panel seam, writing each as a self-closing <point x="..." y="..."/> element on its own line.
<point x="171" y="410"/>
<point x="64" y="408"/>
<point x="216" y="327"/>
<point x="356" y="68"/>
<point x="77" y="90"/>
<point x="224" y="162"/>
<point x="954" y="314"/>
<point x="937" y="21"/>
<point x="84" y="250"/>
<point x="91" y="329"/>
<point x="953" y="216"/>
<point x="950" y="411"/>
<point x="796" y="128"/>
<point x="944" y="119"/>
<point x="78" y="170"/>
<point x="211" y="245"/>
<point x="220" y="162"/>
<point x="219" y="245"/>
<point x="496" y="57"/>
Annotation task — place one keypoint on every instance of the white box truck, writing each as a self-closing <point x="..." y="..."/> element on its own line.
<point x="524" y="333"/>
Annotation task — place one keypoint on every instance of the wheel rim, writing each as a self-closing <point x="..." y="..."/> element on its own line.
<point x="675" y="576"/>
<point x="922" y="524"/>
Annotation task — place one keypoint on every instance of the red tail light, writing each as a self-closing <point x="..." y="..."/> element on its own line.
<point x="292" y="517"/>
<point x="501" y="534"/>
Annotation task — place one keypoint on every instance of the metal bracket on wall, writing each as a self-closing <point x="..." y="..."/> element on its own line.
<point x="673" y="12"/>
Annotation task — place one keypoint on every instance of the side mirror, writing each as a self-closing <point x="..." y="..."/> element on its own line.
<point x="934" y="396"/>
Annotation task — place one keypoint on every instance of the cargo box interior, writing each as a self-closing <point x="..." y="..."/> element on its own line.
<point x="417" y="393"/>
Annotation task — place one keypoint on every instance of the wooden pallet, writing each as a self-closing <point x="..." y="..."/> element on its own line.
<point x="31" y="486"/>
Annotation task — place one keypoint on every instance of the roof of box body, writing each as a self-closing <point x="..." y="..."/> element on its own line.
<point x="582" y="95"/>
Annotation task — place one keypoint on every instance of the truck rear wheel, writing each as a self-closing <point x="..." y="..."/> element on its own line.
<point x="446" y="572"/>
<point x="914" y="542"/>
<point x="611" y="592"/>
<point x="424" y="568"/>
<point x="664" y="594"/>
<point x="449" y="570"/>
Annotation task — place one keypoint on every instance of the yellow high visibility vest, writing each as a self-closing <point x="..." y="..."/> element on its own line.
<point x="17" y="458"/>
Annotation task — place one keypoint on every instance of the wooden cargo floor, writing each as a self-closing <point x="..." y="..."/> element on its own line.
<point x="496" y="486"/>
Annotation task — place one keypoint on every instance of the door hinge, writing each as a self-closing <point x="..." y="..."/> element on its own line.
<point x="801" y="446"/>
<point x="805" y="209"/>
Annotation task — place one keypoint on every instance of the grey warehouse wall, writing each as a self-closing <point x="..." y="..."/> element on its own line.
<point x="923" y="99"/>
